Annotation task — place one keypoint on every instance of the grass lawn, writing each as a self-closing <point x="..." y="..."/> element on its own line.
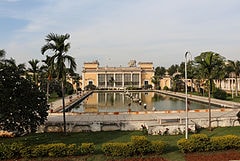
<point x="98" y="138"/>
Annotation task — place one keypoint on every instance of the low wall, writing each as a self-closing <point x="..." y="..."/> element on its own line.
<point x="154" y="127"/>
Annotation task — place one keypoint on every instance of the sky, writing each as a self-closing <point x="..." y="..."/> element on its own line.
<point x="117" y="31"/>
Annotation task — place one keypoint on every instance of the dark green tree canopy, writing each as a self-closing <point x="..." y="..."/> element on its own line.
<point x="22" y="105"/>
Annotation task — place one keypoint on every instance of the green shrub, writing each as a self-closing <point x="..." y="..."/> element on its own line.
<point x="184" y="145"/>
<point x="57" y="150"/>
<point x="72" y="149"/>
<point x="165" y="88"/>
<point x="40" y="150"/>
<point x="117" y="149"/>
<point x="225" y="142"/>
<point x="26" y="152"/>
<point x="220" y="94"/>
<point x="87" y="148"/>
<point x="158" y="147"/>
<point x="200" y="143"/>
<point x="9" y="151"/>
<point x="140" y="145"/>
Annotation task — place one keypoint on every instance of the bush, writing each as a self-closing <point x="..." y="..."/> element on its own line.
<point x="16" y="150"/>
<point x="165" y="88"/>
<point x="158" y="147"/>
<point x="87" y="148"/>
<point x="117" y="149"/>
<point x="184" y="145"/>
<point x="201" y="143"/>
<point x="10" y="151"/>
<point x="225" y="142"/>
<point x="140" y="145"/>
<point x="220" y="94"/>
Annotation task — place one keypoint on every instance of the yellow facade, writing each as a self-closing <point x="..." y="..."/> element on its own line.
<point x="117" y="77"/>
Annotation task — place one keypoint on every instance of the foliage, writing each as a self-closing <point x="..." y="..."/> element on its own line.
<point x="117" y="149"/>
<point x="173" y="69"/>
<point x="87" y="148"/>
<point x="225" y="142"/>
<point x="220" y="94"/>
<point x="165" y="88"/>
<point x="14" y="150"/>
<point x="147" y="86"/>
<point x="90" y="87"/>
<point x="139" y="145"/>
<point x="23" y="106"/>
<point x="202" y="143"/>
<point x="160" y="71"/>
<point x="57" y="44"/>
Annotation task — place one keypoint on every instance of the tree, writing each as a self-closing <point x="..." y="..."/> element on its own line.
<point x="34" y="69"/>
<point x="49" y="71"/>
<point x="234" y="66"/>
<point x="2" y="53"/>
<point x="57" y="44"/>
<point x="156" y="81"/>
<point x="160" y="71"/>
<point x="173" y="69"/>
<point x="23" y="106"/>
<point x="208" y="65"/>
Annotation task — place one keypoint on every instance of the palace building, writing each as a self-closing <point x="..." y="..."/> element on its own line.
<point x="118" y="77"/>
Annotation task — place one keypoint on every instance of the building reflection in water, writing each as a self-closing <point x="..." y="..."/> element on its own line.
<point x="132" y="101"/>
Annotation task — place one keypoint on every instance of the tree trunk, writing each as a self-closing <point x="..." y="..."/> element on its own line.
<point x="63" y="104"/>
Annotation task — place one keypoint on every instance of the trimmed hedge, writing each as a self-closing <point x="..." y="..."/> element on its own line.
<point x="16" y="150"/>
<point x="117" y="149"/>
<point x="139" y="145"/>
<point x="202" y="143"/>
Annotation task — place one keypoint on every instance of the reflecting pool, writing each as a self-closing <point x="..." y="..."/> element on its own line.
<point x="133" y="101"/>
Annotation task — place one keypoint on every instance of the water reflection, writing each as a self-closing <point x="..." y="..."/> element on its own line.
<point x="134" y="101"/>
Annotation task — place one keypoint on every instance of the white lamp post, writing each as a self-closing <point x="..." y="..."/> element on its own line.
<point x="186" y="103"/>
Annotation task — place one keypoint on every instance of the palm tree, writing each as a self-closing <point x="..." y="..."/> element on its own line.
<point x="57" y="44"/>
<point x="34" y="69"/>
<point x="208" y="64"/>
<point x="234" y="67"/>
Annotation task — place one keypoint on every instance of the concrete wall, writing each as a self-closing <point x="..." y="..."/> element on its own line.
<point x="154" y="127"/>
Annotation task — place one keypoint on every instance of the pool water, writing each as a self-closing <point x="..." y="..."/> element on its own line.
<point x="133" y="101"/>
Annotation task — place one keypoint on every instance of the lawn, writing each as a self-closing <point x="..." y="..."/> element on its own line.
<point x="98" y="138"/>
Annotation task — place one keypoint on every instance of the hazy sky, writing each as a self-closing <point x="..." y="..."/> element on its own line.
<point x="116" y="31"/>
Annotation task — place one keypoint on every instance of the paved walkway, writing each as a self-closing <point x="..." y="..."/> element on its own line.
<point x="214" y="101"/>
<point x="56" y="106"/>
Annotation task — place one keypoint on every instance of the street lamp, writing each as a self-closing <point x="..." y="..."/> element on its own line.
<point x="186" y="103"/>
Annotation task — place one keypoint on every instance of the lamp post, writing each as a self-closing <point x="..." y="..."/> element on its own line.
<point x="186" y="99"/>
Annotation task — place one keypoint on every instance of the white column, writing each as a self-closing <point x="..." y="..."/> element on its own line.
<point x="140" y="79"/>
<point x="105" y="80"/>
<point x="123" y="80"/>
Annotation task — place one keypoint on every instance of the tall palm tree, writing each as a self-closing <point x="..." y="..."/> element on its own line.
<point x="208" y="64"/>
<point x="234" y="67"/>
<point x="57" y="44"/>
<point x="34" y="69"/>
